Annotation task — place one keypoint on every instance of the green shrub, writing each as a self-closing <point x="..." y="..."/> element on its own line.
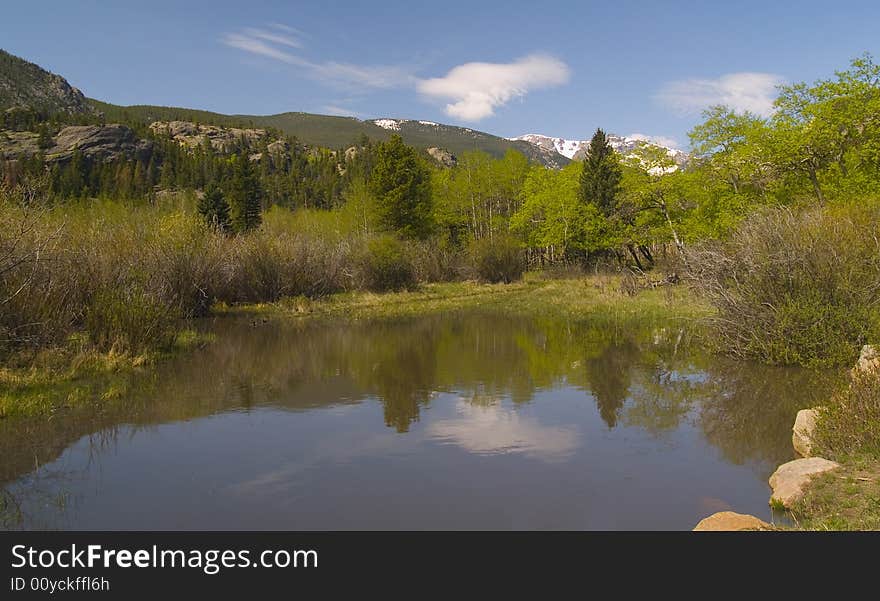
<point x="263" y="266"/>
<point x="385" y="264"/>
<point x="185" y="258"/>
<point x="436" y="260"/>
<point x="810" y="330"/>
<point x="254" y="270"/>
<point x="850" y="423"/>
<point x="499" y="259"/>
<point x="128" y="319"/>
<point x="795" y="287"/>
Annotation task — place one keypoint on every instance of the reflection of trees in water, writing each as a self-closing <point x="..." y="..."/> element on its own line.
<point x="609" y="376"/>
<point x="298" y="365"/>
<point x="747" y="409"/>
<point x="662" y="397"/>
<point x="639" y="375"/>
<point x="402" y="375"/>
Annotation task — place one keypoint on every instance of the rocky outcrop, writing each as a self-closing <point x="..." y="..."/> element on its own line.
<point x="727" y="521"/>
<point x="14" y="144"/>
<point x="803" y="431"/>
<point x="222" y="139"/>
<point x="101" y="142"/>
<point x="869" y="360"/>
<point x="24" y="84"/>
<point x="790" y="479"/>
<point x="104" y="142"/>
<point x="442" y="156"/>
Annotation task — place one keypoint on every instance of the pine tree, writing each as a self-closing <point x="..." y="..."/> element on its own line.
<point x="215" y="210"/>
<point x="401" y="184"/>
<point x="44" y="139"/>
<point x="600" y="179"/>
<point x="244" y="195"/>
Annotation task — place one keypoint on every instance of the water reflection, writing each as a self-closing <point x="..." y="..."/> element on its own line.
<point x="291" y="413"/>
<point x="490" y="429"/>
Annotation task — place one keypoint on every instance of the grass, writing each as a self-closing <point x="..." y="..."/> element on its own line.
<point x="847" y="498"/>
<point x="76" y="375"/>
<point x="594" y="297"/>
<point x="848" y="431"/>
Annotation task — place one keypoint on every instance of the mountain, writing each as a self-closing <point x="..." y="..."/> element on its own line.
<point x="24" y="84"/>
<point x="423" y="134"/>
<point x="338" y="132"/>
<point x="633" y="148"/>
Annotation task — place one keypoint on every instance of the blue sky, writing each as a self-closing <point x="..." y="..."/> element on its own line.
<point x="508" y="68"/>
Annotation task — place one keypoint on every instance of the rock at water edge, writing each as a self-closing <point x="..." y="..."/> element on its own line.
<point x="803" y="430"/>
<point x="789" y="479"/>
<point x="727" y="521"/>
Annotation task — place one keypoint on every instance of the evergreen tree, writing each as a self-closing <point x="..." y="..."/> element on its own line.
<point x="401" y="184"/>
<point x="44" y="140"/>
<point x="244" y="195"/>
<point x="214" y="209"/>
<point x="600" y="179"/>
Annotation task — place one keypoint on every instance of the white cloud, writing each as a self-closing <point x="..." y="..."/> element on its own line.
<point x="332" y="109"/>
<point x="277" y="38"/>
<point x="753" y="92"/>
<point x="278" y="47"/>
<point x="373" y="76"/>
<point x="255" y="46"/>
<point x="661" y="140"/>
<point x="289" y="29"/>
<point x="477" y="89"/>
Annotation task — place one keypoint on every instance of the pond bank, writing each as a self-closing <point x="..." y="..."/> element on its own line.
<point x="592" y="297"/>
<point x="847" y="430"/>
<point x="818" y="493"/>
<point x="56" y="380"/>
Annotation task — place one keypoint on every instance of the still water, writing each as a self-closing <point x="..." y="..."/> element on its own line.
<point x="460" y="421"/>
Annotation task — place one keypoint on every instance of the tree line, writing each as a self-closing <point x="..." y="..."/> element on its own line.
<point x="821" y="144"/>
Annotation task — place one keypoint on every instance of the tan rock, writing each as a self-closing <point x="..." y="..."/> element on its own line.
<point x="442" y="156"/>
<point x="725" y="521"/>
<point x="869" y="359"/>
<point x="789" y="479"/>
<point x="803" y="430"/>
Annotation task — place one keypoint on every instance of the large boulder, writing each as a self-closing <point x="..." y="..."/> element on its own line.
<point x="803" y="431"/>
<point x="790" y="479"/>
<point x="726" y="521"/>
<point x="104" y="142"/>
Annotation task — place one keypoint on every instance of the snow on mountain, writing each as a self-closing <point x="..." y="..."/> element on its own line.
<point x="567" y="148"/>
<point x="628" y="146"/>
<point x="392" y="124"/>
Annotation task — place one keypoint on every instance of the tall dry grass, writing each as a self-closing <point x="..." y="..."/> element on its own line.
<point x="126" y="274"/>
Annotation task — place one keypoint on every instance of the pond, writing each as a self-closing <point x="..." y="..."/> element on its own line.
<point x="465" y="420"/>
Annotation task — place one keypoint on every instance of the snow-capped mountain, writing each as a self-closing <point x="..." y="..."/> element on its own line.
<point x="429" y="134"/>
<point x="630" y="147"/>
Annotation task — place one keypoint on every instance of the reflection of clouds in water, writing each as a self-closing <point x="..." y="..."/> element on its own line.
<point x="495" y="430"/>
